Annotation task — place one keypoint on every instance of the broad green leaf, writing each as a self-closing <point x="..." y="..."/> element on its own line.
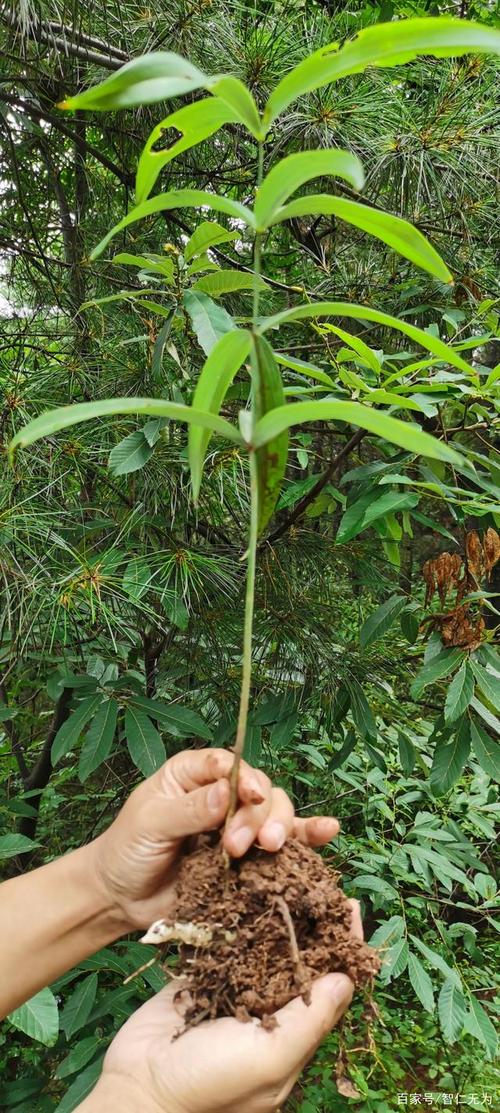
<point x="136" y="578"/>
<point x="363" y="313"/>
<point x="227" y="282"/>
<point x="407" y="754"/>
<point x="421" y="982"/>
<point x="78" y="1057"/>
<point x="207" y="234"/>
<point x="384" y="44"/>
<point x="451" y="1010"/>
<point x="460" y="693"/>
<point x="78" y="1007"/>
<point x="292" y="172"/>
<point x="174" y="719"/>
<point x="159" y="76"/>
<point x="14" y="844"/>
<point x="158" y="350"/>
<point x="376" y="884"/>
<point x="388" y="933"/>
<point x="392" y="230"/>
<point x="380" y="620"/>
<point x="486" y="715"/>
<point x="486" y="749"/>
<point x="449" y="760"/>
<point x="362" y="350"/>
<point x="177" y="199"/>
<point x="144" y="80"/>
<point x="130" y="454"/>
<point x="53" y="420"/>
<point x="391" y="429"/>
<point x="80" y="1088"/>
<point x="303" y="368"/>
<point x="437" y="962"/>
<point x="340" y="756"/>
<point x="283" y="732"/>
<point x="217" y="373"/>
<point x="38" y="1018"/>
<point x="209" y="321"/>
<point x="478" y="1024"/>
<point x="272" y="457"/>
<point x="143" y="741"/>
<point x="488" y="683"/>
<point x="98" y="740"/>
<point x="195" y="122"/>
<point x="361" y="711"/>
<point x="439" y="666"/>
<point x="358" y="517"/>
<point x="395" y="961"/>
<point x="157" y="264"/>
<point x="67" y="736"/>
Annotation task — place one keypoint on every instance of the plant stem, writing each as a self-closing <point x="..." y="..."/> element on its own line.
<point x="251" y="554"/>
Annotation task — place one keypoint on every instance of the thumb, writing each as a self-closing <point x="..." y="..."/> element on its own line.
<point x="203" y="809"/>
<point x="301" y="1027"/>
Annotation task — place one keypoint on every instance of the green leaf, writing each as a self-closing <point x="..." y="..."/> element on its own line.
<point x="210" y="321"/>
<point x="303" y="368"/>
<point x="407" y="754"/>
<point x="179" y="721"/>
<point x="437" y="962"/>
<point x="358" y="346"/>
<point x="292" y="172"/>
<point x="67" y="736"/>
<point x="14" y="844"/>
<point x="449" y="760"/>
<point x="144" y="80"/>
<point x="195" y="122"/>
<point x="367" y="510"/>
<point x="80" y="1088"/>
<point x="361" y="711"/>
<point x="136" y="578"/>
<point x="451" y="1010"/>
<point x="158" y="350"/>
<point x="375" y="884"/>
<point x="460" y="693"/>
<point x="38" y="1018"/>
<point x="78" y="1057"/>
<point x="53" y="420"/>
<point x="130" y="454"/>
<point x="217" y="373"/>
<point x="388" y="933"/>
<point x="410" y="625"/>
<point x="421" y="982"/>
<point x="227" y="282"/>
<point x="391" y="429"/>
<point x="384" y="44"/>
<point x="177" y="199"/>
<point x="156" y="264"/>
<point x="478" y="1024"/>
<point x="392" y="230"/>
<point x="340" y="756"/>
<point x="98" y="740"/>
<point x="488" y="683"/>
<point x="486" y="749"/>
<point x="380" y="621"/>
<point x="283" y="732"/>
<point x="436" y="669"/>
<point x="395" y="961"/>
<point x="271" y="459"/>
<point x="207" y="234"/>
<point x="78" y="1007"/>
<point x="144" y="743"/>
<point x="363" y="313"/>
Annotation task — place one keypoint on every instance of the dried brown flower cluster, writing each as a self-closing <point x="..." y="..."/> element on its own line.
<point x="449" y="571"/>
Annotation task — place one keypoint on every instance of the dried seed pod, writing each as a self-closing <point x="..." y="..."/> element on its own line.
<point x="491" y="549"/>
<point x="474" y="552"/>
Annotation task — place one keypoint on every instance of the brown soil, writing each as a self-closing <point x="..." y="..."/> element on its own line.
<point x="288" y="922"/>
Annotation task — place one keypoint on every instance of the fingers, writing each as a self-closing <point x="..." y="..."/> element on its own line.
<point x="193" y="768"/>
<point x="301" y="1027"/>
<point x="270" y="823"/>
<point x="356" y="929"/>
<point x="190" y="813"/>
<point x="316" y="830"/>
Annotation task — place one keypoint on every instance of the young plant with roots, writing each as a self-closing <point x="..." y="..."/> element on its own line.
<point x="247" y="948"/>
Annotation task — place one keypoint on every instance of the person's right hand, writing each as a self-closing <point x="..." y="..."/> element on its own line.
<point x="221" y="1066"/>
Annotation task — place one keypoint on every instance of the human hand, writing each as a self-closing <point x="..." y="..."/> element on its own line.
<point x="221" y="1066"/>
<point x="134" y="862"/>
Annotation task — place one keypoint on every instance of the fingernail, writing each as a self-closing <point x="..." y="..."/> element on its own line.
<point x="339" y="986"/>
<point x="215" y="796"/>
<point x="241" y="839"/>
<point x="274" y="835"/>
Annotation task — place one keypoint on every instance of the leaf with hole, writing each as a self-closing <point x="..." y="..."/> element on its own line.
<point x="195" y="122"/>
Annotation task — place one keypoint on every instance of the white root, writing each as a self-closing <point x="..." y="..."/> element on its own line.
<point x="193" y="935"/>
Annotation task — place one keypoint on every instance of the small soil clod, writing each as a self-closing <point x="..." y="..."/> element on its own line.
<point x="280" y="920"/>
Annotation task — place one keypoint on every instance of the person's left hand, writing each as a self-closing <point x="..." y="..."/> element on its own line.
<point x="135" y="860"/>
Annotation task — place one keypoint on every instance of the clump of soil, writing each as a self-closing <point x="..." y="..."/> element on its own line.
<point x="279" y="920"/>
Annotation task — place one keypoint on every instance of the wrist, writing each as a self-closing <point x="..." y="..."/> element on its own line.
<point x="107" y="915"/>
<point x="116" y="1093"/>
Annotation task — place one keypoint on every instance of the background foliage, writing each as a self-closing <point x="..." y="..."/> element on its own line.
<point x="122" y="605"/>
